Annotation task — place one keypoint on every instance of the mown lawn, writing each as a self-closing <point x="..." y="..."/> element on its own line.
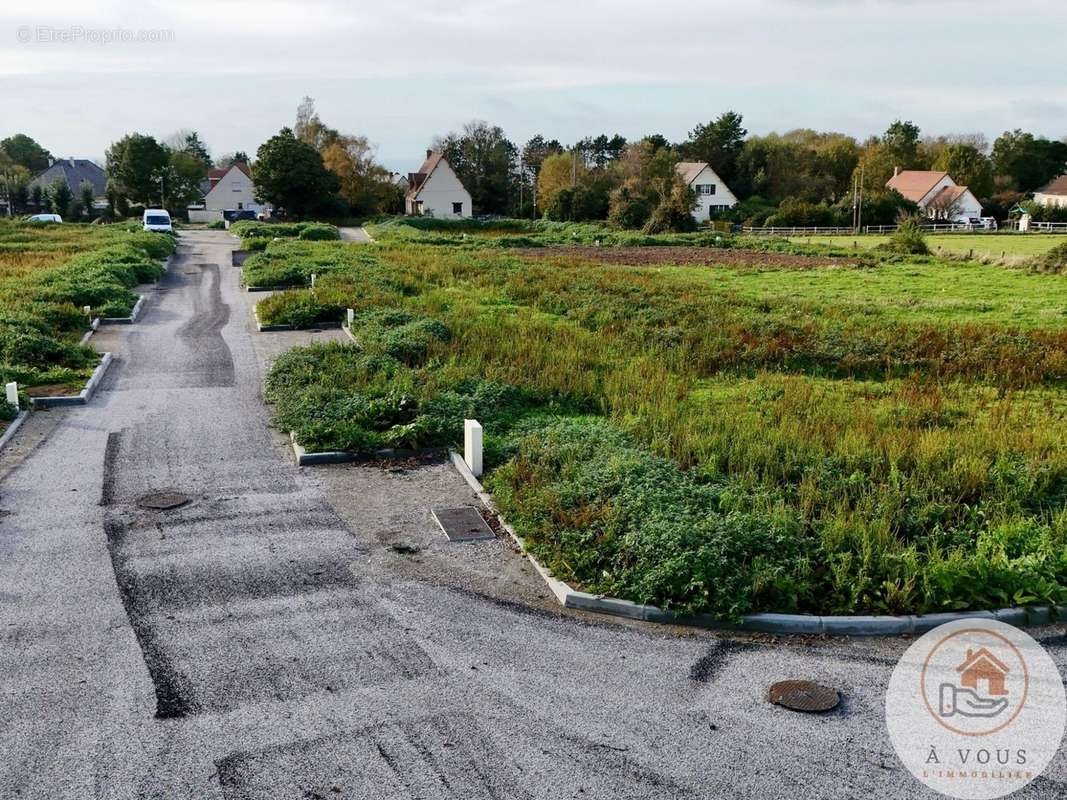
<point x="987" y="245"/>
<point x="884" y="437"/>
<point x="48" y="273"/>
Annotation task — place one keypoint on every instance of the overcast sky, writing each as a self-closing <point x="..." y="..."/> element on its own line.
<point x="403" y="71"/>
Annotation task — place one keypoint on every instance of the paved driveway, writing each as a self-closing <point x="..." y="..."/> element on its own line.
<point x="355" y="235"/>
<point x="268" y="641"/>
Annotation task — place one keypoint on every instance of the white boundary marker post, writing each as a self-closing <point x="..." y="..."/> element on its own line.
<point x="472" y="446"/>
<point x="351" y="317"/>
<point x="13" y="394"/>
<point x="312" y="280"/>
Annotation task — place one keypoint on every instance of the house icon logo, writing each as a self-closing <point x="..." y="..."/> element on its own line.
<point x="981" y="691"/>
<point x="975" y="681"/>
<point x="976" y="709"/>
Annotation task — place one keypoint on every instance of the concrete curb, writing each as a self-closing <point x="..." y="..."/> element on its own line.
<point x="93" y="327"/>
<point x="84" y="395"/>
<point x="16" y="423"/>
<point x="278" y="328"/>
<point x="127" y="320"/>
<point x="348" y="333"/>
<point x="276" y="288"/>
<point x="792" y="624"/>
<point x="366" y="233"/>
<point x="306" y="459"/>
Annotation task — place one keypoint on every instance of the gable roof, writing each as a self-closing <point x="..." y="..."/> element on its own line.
<point x="915" y="184"/>
<point x="974" y="656"/>
<point x="948" y="196"/>
<point x="689" y="171"/>
<point x="75" y="171"/>
<point x="416" y="180"/>
<point x="215" y="176"/>
<point x="1057" y="187"/>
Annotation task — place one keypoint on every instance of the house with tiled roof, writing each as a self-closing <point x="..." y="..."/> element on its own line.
<point x="937" y="195"/>
<point x="436" y="191"/>
<point x="1053" y="194"/>
<point x="74" y="172"/>
<point x="231" y="189"/>
<point x="713" y="195"/>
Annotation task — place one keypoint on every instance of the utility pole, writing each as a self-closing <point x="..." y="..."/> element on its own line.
<point x="859" y="219"/>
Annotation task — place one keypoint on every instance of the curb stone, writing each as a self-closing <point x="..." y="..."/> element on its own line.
<point x="16" y="423"/>
<point x="278" y="328"/>
<point x="306" y="459"/>
<point x="84" y="395"/>
<point x="791" y="624"/>
<point x="126" y="320"/>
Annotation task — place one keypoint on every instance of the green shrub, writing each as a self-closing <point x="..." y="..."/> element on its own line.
<point x="1055" y="260"/>
<point x="908" y="239"/>
<point x="317" y="231"/>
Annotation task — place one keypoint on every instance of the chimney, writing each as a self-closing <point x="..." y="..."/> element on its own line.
<point x="896" y="171"/>
<point x="429" y="153"/>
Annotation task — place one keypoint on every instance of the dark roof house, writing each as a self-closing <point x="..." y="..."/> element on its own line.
<point x="75" y="171"/>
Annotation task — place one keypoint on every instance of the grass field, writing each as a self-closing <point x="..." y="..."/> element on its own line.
<point x="799" y="432"/>
<point x="984" y="245"/>
<point x="48" y="273"/>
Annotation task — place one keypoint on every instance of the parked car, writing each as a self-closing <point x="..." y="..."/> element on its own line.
<point x="989" y="223"/>
<point x="157" y="220"/>
<point x="45" y="218"/>
<point x="239" y="214"/>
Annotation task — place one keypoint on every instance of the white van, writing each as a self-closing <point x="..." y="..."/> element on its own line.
<point x="157" y="219"/>
<point x="45" y="218"/>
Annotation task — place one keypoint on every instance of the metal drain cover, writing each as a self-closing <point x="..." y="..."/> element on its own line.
<point x="463" y="524"/>
<point x="804" y="696"/>
<point x="162" y="501"/>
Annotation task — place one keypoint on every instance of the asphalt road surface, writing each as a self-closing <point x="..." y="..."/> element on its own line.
<point x="271" y="639"/>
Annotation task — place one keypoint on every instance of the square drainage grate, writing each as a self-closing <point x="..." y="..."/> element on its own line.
<point x="463" y="524"/>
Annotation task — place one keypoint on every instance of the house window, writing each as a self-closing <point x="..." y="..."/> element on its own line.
<point x="457" y="208"/>
<point x="705" y="188"/>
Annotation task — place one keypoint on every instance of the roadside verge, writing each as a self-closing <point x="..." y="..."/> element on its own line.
<point x="792" y="624"/>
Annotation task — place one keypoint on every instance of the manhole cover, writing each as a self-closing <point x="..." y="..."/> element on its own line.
<point x="804" y="696"/>
<point x="463" y="524"/>
<point x="162" y="501"/>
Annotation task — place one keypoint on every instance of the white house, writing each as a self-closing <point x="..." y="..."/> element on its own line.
<point x="231" y="189"/>
<point x="1054" y="194"/>
<point x="436" y="191"/>
<point x="936" y="194"/>
<point x="713" y="195"/>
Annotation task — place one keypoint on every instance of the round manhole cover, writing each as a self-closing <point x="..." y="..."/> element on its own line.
<point x="804" y="696"/>
<point x="162" y="501"/>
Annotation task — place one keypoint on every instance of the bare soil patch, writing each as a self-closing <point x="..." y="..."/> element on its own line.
<point x="683" y="256"/>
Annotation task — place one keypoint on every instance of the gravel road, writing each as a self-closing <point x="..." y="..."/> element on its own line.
<point x="298" y="633"/>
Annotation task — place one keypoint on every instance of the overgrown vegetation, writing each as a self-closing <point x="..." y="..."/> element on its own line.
<point x="47" y="275"/>
<point x="878" y="436"/>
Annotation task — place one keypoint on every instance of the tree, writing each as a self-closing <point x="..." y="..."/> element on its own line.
<point x="968" y="167"/>
<point x="310" y="129"/>
<point x="59" y="197"/>
<point x="37" y="197"/>
<point x="901" y="144"/>
<point x="719" y="143"/>
<point x="229" y="159"/>
<point x="558" y="172"/>
<point x="188" y="141"/>
<point x="365" y="185"/>
<point x="87" y="195"/>
<point x="601" y="150"/>
<point x="134" y="164"/>
<point x="1028" y="161"/>
<point x="485" y="161"/>
<point x="13" y="180"/>
<point x="650" y="188"/>
<point x="26" y="152"/>
<point x="289" y="174"/>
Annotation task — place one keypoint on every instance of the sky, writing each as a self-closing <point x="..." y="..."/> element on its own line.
<point x="78" y="75"/>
